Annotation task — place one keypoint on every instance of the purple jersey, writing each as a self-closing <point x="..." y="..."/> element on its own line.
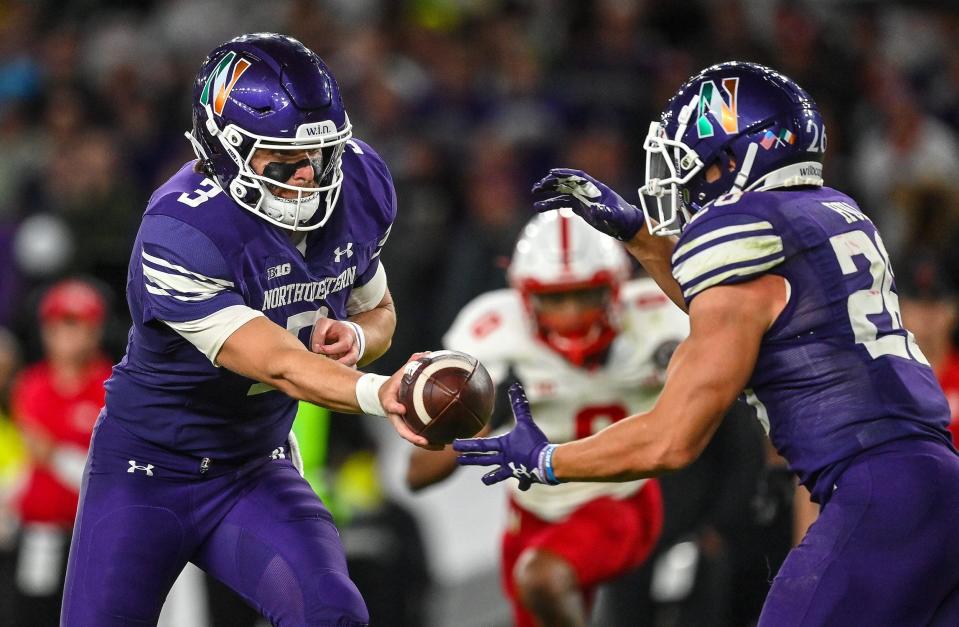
<point x="198" y="252"/>
<point x="837" y="373"/>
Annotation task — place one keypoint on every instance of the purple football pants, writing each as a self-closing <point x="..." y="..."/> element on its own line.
<point x="258" y="527"/>
<point x="885" y="549"/>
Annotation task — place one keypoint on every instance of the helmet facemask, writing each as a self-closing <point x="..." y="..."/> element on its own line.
<point x="579" y="321"/>
<point x="670" y="165"/>
<point x="279" y="202"/>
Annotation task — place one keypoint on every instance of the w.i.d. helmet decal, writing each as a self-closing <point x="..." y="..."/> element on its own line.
<point x="218" y="85"/>
<point x="712" y="100"/>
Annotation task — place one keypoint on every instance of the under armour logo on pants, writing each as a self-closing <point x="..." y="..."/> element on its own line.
<point x="148" y="469"/>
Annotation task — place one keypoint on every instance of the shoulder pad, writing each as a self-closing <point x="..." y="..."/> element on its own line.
<point x="364" y="167"/>
<point x="728" y="244"/>
<point x="491" y="328"/>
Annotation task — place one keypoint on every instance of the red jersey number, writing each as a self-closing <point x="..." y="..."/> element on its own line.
<point x="594" y="418"/>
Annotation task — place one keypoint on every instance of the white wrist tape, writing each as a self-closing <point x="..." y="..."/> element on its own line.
<point x="360" y="338"/>
<point x="368" y="394"/>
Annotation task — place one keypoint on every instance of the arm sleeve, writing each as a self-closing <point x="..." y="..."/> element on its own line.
<point x="209" y="333"/>
<point x="367" y="296"/>
<point x="185" y="277"/>
<point x="725" y="248"/>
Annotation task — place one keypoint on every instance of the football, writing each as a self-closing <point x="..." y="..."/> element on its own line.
<point x="448" y="395"/>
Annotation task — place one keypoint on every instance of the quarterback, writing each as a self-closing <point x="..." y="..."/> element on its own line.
<point x="267" y="244"/>
<point x="591" y="348"/>
<point x="792" y="302"/>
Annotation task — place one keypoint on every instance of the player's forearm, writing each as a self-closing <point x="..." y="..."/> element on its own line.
<point x="263" y="351"/>
<point x="633" y="448"/>
<point x="314" y="378"/>
<point x="654" y="254"/>
<point x="429" y="467"/>
<point x="668" y="438"/>
<point x="706" y="373"/>
<point x="378" y="324"/>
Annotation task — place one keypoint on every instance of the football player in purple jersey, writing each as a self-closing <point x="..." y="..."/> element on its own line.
<point x="266" y="245"/>
<point x="792" y="303"/>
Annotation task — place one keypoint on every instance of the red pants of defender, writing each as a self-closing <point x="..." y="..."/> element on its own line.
<point x="601" y="540"/>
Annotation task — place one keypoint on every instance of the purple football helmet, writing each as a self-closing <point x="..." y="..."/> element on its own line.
<point x="760" y="127"/>
<point x="271" y="93"/>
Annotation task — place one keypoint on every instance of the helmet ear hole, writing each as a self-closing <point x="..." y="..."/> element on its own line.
<point x="238" y="189"/>
<point x="234" y="137"/>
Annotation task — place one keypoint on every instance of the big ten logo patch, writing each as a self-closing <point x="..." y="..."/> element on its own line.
<point x="277" y="271"/>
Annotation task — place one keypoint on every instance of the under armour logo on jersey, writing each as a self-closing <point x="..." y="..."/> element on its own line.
<point x="278" y="453"/>
<point x="148" y="469"/>
<point x="348" y="251"/>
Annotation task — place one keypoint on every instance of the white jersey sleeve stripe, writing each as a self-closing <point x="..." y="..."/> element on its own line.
<point x="187" y="299"/>
<point x="745" y="271"/>
<point x="756" y="248"/>
<point x="368" y="296"/>
<point x="208" y="334"/>
<point x="718" y="233"/>
<point x="181" y="269"/>
<point x="179" y="283"/>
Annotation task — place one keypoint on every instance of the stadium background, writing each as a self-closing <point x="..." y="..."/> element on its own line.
<point x="469" y="102"/>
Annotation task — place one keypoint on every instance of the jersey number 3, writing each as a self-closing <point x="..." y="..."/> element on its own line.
<point x="882" y="338"/>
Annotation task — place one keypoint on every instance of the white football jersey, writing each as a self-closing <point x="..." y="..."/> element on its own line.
<point x="570" y="403"/>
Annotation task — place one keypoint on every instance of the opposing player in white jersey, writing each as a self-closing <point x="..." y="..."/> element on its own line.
<point x="591" y="348"/>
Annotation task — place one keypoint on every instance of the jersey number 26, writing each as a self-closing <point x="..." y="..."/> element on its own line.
<point x="879" y="339"/>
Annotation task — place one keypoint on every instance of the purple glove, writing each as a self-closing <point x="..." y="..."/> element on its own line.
<point x="601" y="207"/>
<point x="524" y="452"/>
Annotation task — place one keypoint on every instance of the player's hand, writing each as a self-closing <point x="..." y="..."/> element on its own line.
<point x="337" y="340"/>
<point x="522" y="453"/>
<point x="601" y="207"/>
<point x="390" y="399"/>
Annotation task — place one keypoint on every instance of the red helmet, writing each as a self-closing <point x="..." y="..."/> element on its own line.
<point x="72" y="298"/>
<point x="569" y="276"/>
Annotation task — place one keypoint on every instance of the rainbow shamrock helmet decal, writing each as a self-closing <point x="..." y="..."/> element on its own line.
<point x="721" y="103"/>
<point x="222" y="81"/>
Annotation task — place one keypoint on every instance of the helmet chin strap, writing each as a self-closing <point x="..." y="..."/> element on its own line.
<point x="743" y="175"/>
<point x="197" y="148"/>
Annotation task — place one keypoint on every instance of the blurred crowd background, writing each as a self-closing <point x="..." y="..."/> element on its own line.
<point x="469" y="102"/>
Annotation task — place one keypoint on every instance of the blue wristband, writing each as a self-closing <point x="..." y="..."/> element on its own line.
<point x="548" y="464"/>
